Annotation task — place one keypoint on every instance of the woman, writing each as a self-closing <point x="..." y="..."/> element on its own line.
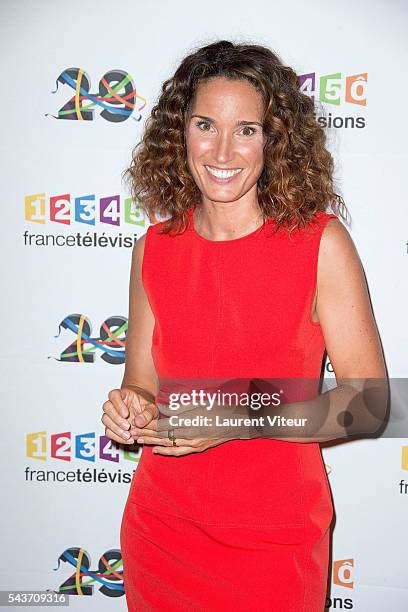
<point x="250" y="277"/>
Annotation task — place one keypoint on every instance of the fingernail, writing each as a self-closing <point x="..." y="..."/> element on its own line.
<point x="140" y="440"/>
<point x="125" y="425"/>
<point x="126" y="435"/>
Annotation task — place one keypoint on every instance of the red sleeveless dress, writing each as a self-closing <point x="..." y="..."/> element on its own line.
<point x="246" y="524"/>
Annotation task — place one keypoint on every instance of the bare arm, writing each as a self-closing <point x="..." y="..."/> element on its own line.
<point x="140" y="374"/>
<point x="344" y="308"/>
<point x="133" y="405"/>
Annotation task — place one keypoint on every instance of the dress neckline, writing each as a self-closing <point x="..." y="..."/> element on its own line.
<point x="249" y="236"/>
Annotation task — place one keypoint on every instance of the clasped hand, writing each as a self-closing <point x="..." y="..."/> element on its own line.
<point x="129" y="416"/>
<point x="153" y="425"/>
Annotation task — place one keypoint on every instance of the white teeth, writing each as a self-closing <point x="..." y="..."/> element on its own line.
<point x="223" y="173"/>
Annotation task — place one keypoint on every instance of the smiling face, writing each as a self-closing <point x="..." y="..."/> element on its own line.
<point x="225" y="140"/>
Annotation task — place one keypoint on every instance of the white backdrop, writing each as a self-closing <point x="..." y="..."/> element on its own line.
<point x="64" y="486"/>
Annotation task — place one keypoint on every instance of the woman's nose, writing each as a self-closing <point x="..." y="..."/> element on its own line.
<point x="223" y="150"/>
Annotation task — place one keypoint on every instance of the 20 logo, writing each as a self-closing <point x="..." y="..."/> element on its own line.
<point x="81" y="582"/>
<point x="111" y="340"/>
<point x="116" y="96"/>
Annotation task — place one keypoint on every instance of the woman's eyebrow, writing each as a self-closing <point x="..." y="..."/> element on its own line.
<point x="236" y="125"/>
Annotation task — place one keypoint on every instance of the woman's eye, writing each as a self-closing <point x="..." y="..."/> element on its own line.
<point x="203" y="125"/>
<point x="251" y="130"/>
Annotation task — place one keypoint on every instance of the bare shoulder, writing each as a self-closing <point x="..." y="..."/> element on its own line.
<point x="337" y="248"/>
<point x="340" y="272"/>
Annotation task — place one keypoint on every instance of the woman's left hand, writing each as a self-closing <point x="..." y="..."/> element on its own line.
<point x="188" y="439"/>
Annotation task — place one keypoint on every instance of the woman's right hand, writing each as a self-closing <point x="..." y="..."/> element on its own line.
<point x="125" y="411"/>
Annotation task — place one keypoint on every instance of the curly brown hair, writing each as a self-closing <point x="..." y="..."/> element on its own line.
<point x="297" y="178"/>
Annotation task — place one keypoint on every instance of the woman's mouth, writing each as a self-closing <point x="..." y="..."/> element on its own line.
<point x="220" y="175"/>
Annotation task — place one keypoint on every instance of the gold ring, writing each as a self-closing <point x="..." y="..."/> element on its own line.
<point x="171" y="437"/>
